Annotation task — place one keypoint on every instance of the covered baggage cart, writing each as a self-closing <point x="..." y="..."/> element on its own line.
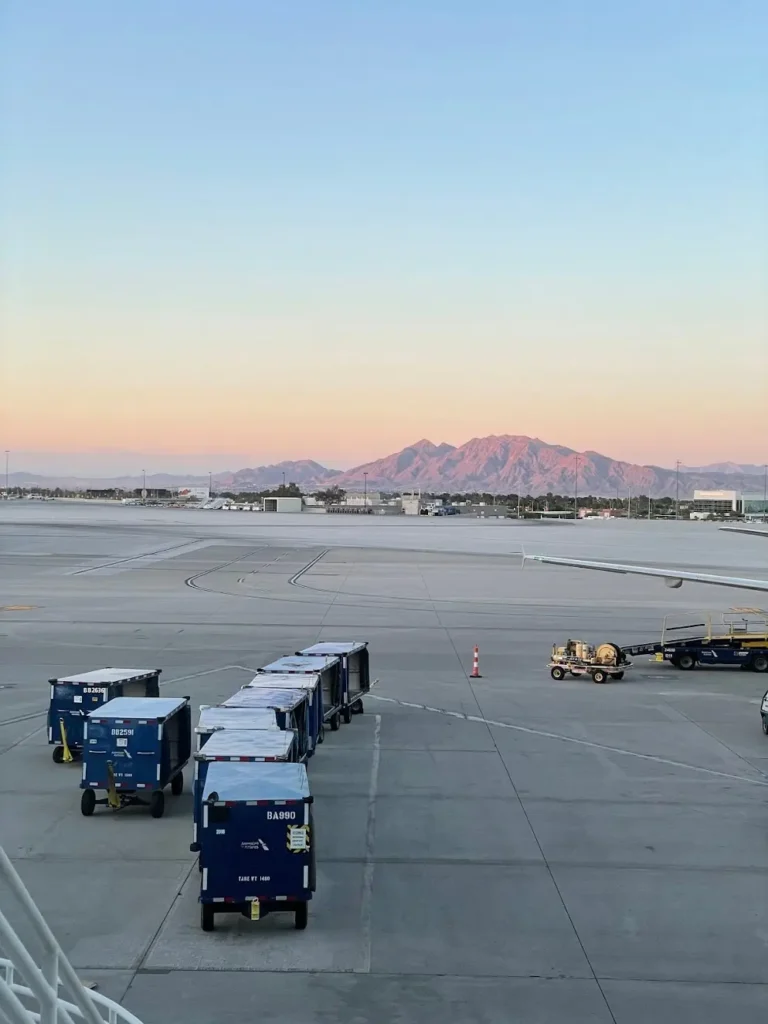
<point x="256" y="842"/>
<point x="133" y="748"/>
<point x="310" y="683"/>
<point x="291" y="708"/>
<point x="355" y="670"/>
<point x="213" y="719"/>
<point x="331" y="685"/>
<point x="72" y="697"/>
<point x="240" y="746"/>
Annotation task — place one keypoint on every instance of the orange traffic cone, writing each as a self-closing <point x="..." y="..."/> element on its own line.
<point x="475" y="674"/>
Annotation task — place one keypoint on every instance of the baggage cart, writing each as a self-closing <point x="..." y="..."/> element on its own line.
<point x="213" y="719"/>
<point x="331" y="685"/>
<point x="310" y="684"/>
<point x="355" y="671"/>
<point x="234" y="745"/>
<point x="256" y="842"/>
<point x="291" y="709"/>
<point x="133" y="748"/>
<point x="764" y="712"/>
<point x="72" y="697"/>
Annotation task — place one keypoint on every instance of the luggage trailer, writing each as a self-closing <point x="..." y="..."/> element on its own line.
<point x="256" y="842"/>
<point x="328" y="668"/>
<point x="133" y="748"/>
<point x="355" y="671"/>
<point x="72" y="697"/>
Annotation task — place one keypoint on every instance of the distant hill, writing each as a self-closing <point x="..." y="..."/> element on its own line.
<point x="518" y="464"/>
<point x="503" y="464"/>
<point x="738" y="468"/>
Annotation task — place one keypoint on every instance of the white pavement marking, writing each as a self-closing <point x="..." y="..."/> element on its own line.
<point x="207" y="672"/>
<point x="366" y="908"/>
<point x="572" y="739"/>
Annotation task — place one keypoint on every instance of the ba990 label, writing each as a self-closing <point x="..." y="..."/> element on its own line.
<point x="281" y="815"/>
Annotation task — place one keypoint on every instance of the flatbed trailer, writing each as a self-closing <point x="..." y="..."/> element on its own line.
<point x="577" y="658"/>
<point x="739" y="639"/>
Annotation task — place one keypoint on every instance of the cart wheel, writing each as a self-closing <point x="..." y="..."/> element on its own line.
<point x="321" y="734"/>
<point x="598" y="676"/>
<point x="557" y="672"/>
<point x="765" y="725"/>
<point x="88" y="802"/>
<point x="177" y="784"/>
<point x="58" y="755"/>
<point x="206" y="917"/>
<point x="300" y="917"/>
<point x="157" y="803"/>
<point x="760" y="663"/>
<point x="685" y="661"/>
<point x="618" y="675"/>
<point x="357" y="708"/>
<point x="346" y="714"/>
<point x="335" y="722"/>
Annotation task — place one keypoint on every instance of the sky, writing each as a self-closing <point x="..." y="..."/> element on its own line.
<point x="262" y="230"/>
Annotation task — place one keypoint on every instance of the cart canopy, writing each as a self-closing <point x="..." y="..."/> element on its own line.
<point x="256" y="780"/>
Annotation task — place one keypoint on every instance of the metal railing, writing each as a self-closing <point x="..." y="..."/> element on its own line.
<point x="23" y="981"/>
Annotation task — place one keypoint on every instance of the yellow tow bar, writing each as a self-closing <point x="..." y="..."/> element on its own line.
<point x="113" y="800"/>
<point x="67" y="756"/>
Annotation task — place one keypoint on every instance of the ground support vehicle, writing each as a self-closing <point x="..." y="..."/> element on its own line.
<point x="329" y="670"/>
<point x="256" y="842"/>
<point x="576" y="657"/>
<point x="72" y="697"/>
<point x="234" y="745"/>
<point x="291" y="709"/>
<point x="355" y="671"/>
<point x="133" y="748"/>
<point x="738" y="638"/>
<point x="764" y="712"/>
<point x="213" y="719"/>
<point x="309" y="684"/>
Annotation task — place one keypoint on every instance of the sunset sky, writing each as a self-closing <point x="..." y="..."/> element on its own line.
<point x="263" y="229"/>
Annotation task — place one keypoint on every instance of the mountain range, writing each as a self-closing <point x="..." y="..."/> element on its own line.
<point x="501" y="464"/>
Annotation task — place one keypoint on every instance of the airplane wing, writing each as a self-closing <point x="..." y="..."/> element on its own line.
<point x="745" y="529"/>
<point x="672" y="577"/>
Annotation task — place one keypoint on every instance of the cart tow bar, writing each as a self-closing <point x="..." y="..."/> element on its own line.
<point x="67" y="753"/>
<point x="112" y="798"/>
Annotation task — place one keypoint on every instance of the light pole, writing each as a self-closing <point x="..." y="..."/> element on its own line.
<point x="144" y="485"/>
<point x="210" y="484"/>
<point x="677" y="489"/>
<point x="765" y="490"/>
<point x="283" y="480"/>
<point x="365" y="490"/>
<point x="7" y="456"/>
<point x="576" y="490"/>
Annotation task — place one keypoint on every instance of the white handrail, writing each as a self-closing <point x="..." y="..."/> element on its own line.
<point x="42" y="984"/>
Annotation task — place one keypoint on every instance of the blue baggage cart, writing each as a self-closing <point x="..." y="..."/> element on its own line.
<point x="256" y="842"/>
<point x="72" y="697"/>
<point x="133" y="748"/>
<point x="239" y="746"/>
<point x="329" y="670"/>
<point x="355" y="671"/>
<point x="213" y="719"/>
<point x="310" y="683"/>
<point x="291" y="708"/>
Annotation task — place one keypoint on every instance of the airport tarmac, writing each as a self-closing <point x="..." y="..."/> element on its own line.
<point x="502" y="849"/>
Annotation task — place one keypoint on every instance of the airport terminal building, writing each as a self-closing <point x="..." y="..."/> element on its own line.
<point x="750" y="506"/>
